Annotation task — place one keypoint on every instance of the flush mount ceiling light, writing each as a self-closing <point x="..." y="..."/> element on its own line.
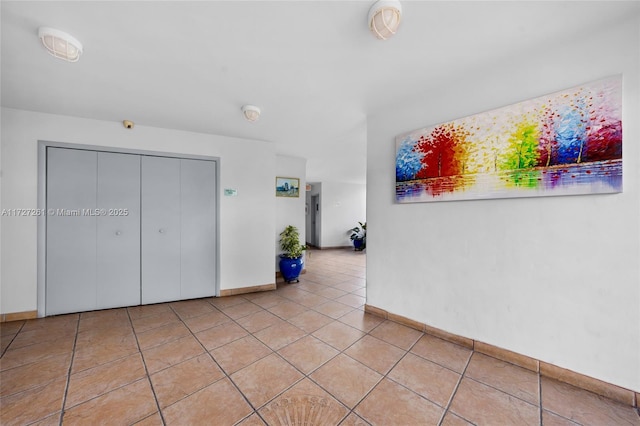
<point x="251" y="112"/>
<point x="60" y="44"/>
<point x="384" y="18"/>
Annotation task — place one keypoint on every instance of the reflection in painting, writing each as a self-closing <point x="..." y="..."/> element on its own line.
<point x="566" y="143"/>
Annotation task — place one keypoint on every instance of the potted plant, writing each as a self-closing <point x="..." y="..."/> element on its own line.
<point x="291" y="259"/>
<point x="359" y="236"/>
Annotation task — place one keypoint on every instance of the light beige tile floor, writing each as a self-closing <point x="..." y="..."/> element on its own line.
<point x="304" y="352"/>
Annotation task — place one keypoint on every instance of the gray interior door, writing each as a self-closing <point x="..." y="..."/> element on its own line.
<point x="198" y="228"/>
<point x="127" y="229"/>
<point x="71" y="233"/>
<point x="315" y="205"/>
<point x="160" y="229"/>
<point x="118" y="230"/>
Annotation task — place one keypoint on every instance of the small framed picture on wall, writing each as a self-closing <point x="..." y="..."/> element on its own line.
<point x="287" y="187"/>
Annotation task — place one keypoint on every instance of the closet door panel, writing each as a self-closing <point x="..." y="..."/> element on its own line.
<point x="160" y="229"/>
<point x="198" y="228"/>
<point x="118" y="232"/>
<point x="71" y="233"/>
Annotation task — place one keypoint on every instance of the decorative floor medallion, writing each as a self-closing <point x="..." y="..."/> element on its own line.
<point x="298" y="410"/>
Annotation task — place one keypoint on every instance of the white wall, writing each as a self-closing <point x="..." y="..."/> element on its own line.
<point x="247" y="221"/>
<point x="343" y="205"/>
<point x="290" y="211"/>
<point x="554" y="278"/>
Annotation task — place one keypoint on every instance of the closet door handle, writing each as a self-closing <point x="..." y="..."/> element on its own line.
<point x="161" y="230"/>
<point x="118" y="232"/>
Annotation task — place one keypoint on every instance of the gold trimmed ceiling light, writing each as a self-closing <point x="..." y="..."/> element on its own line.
<point x="60" y="44"/>
<point x="384" y="18"/>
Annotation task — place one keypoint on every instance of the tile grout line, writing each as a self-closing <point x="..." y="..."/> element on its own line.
<point x="562" y="416"/>
<point x="12" y="339"/>
<point x="412" y="390"/>
<point x="146" y="370"/>
<point x="455" y="390"/>
<point x="255" y="409"/>
<point x="500" y="390"/>
<point x="352" y="410"/>
<point x="226" y="375"/>
<point x="73" y="357"/>
<point x="539" y="393"/>
<point x="407" y="352"/>
<point x="305" y="375"/>
<point x="342" y="352"/>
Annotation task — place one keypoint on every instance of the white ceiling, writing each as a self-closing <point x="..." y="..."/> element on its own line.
<point x="311" y="66"/>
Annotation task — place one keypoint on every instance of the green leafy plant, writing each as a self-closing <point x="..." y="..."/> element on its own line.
<point x="290" y="243"/>
<point x="359" y="232"/>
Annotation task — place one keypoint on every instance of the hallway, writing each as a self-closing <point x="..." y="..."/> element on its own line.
<point x="304" y="351"/>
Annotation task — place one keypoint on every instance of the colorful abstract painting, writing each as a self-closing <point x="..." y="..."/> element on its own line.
<point x="566" y="143"/>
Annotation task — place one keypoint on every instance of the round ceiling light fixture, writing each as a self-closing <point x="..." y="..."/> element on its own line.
<point x="384" y="18"/>
<point x="60" y="44"/>
<point x="251" y="112"/>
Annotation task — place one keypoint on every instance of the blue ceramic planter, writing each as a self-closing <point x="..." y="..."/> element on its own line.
<point x="358" y="244"/>
<point x="291" y="268"/>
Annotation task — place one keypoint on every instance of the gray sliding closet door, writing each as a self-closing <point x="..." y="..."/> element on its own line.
<point x="128" y="229"/>
<point x="118" y="232"/>
<point x="160" y="229"/>
<point x="71" y="236"/>
<point x="178" y="229"/>
<point x="93" y="230"/>
<point x="198" y="228"/>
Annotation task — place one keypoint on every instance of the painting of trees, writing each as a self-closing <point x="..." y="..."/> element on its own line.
<point x="443" y="151"/>
<point x="408" y="161"/>
<point x="548" y="146"/>
<point x="563" y="143"/>
<point x="604" y="129"/>
<point x="604" y="141"/>
<point x="570" y="133"/>
<point x="522" y="151"/>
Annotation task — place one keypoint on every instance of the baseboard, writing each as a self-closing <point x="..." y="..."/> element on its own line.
<point x="18" y="316"/>
<point x="607" y="390"/>
<point x="245" y="290"/>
